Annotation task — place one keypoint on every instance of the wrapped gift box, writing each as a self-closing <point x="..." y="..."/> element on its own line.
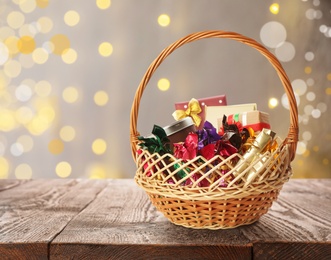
<point x="209" y="101"/>
<point x="213" y="113"/>
<point x="256" y="120"/>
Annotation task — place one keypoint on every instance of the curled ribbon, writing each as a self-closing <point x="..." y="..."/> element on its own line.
<point x="193" y="109"/>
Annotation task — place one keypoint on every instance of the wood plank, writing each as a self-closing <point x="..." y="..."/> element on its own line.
<point x="121" y="223"/>
<point x="6" y="184"/>
<point x="298" y="224"/>
<point x="33" y="213"/>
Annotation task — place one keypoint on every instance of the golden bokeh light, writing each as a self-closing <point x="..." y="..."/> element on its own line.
<point x="12" y="68"/>
<point x="26" y="44"/>
<point x="6" y="32"/>
<point x="67" y="133"/>
<point x="56" y="146"/>
<point x="45" y="23"/>
<point x="69" y="56"/>
<point x="40" y="56"/>
<point x="46" y="113"/>
<point x="97" y="172"/>
<point x="163" y="84"/>
<point x="328" y="76"/>
<point x="24" y="115"/>
<point x="308" y="70"/>
<point x="27" y="30"/>
<point x="28" y="6"/>
<point x="26" y="141"/>
<point x="71" y="18"/>
<point x="4" y="168"/>
<point x="42" y="3"/>
<point x="43" y="88"/>
<point x="105" y="49"/>
<point x="63" y="169"/>
<point x="23" y="171"/>
<point x="15" y="19"/>
<point x="61" y="44"/>
<point x="103" y="4"/>
<point x="273" y="102"/>
<point x="4" y="53"/>
<point x="163" y="20"/>
<point x="274" y="8"/>
<point x="7" y="120"/>
<point x="328" y="91"/>
<point x="12" y="45"/>
<point x="37" y="126"/>
<point x="99" y="146"/>
<point x="101" y="98"/>
<point x="70" y="94"/>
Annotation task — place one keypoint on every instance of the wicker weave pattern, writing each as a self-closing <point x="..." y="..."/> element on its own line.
<point x="201" y="202"/>
<point x="213" y="214"/>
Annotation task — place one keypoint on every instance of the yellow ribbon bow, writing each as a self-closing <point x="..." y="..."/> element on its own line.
<point x="193" y="109"/>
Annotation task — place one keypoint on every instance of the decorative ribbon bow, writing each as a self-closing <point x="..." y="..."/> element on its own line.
<point x="193" y="109"/>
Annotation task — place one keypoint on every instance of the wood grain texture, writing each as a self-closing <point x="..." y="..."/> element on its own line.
<point x="298" y="224"/>
<point x="33" y="213"/>
<point x="10" y="183"/>
<point x="121" y="223"/>
<point x="114" y="219"/>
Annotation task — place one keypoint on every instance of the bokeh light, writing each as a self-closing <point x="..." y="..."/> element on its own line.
<point x="4" y="53"/>
<point x="16" y="149"/>
<point x="274" y="8"/>
<point x="273" y="102"/>
<point x="71" y="18"/>
<point x="163" y="84"/>
<point x="63" y="169"/>
<point x="67" y="133"/>
<point x="97" y="171"/>
<point x="23" y="171"/>
<point x="103" y="4"/>
<point x="273" y="34"/>
<point x="15" y="19"/>
<point x="4" y="168"/>
<point x="23" y="93"/>
<point x="99" y="146"/>
<point x="40" y="56"/>
<point x="285" y="51"/>
<point x="43" y="88"/>
<point x="105" y="49"/>
<point x="163" y="20"/>
<point x="28" y="6"/>
<point x="45" y="24"/>
<point x="26" y="141"/>
<point x="12" y="68"/>
<point x="101" y="98"/>
<point x="56" y="146"/>
<point x="69" y="56"/>
<point x="70" y="94"/>
<point x="42" y="3"/>
<point x="61" y="44"/>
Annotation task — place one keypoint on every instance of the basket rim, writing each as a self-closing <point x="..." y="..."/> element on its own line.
<point x="292" y="137"/>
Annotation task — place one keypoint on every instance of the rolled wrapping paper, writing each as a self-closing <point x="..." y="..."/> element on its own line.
<point x="256" y="169"/>
<point x="260" y="142"/>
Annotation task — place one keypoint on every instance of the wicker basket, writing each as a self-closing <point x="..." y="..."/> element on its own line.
<point x="242" y="202"/>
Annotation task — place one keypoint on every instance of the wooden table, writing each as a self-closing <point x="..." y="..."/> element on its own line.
<point x="113" y="219"/>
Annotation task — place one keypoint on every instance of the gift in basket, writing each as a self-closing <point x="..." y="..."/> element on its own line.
<point x="219" y="191"/>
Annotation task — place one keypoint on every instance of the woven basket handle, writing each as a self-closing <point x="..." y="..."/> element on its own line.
<point x="292" y="137"/>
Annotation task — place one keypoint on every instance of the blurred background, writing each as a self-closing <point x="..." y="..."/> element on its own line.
<point x="69" y="71"/>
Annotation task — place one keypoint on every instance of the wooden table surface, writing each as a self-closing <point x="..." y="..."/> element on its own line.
<point x="113" y="219"/>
